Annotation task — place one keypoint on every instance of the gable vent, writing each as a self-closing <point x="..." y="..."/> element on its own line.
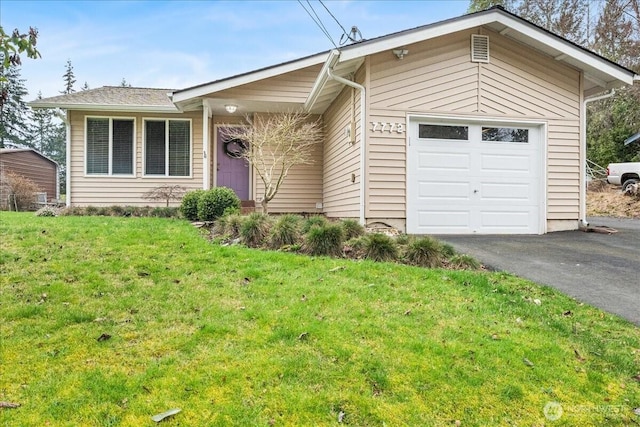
<point x="479" y="48"/>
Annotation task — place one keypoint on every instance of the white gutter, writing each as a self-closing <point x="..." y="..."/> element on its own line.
<point x="583" y="155"/>
<point x="67" y="171"/>
<point x="363" y="134"/>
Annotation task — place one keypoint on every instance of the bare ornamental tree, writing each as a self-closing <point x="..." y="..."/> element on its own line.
<point x="275" y="143"/>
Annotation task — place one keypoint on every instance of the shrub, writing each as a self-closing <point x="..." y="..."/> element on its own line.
<point x="189" y="204"/>
<point x="285" y="231"/>
<point x="103" y="211"/>
<point x="380" y="247"/>
<point x="424" y="252"/>
<point x="463" y="261"/>
<point x="354" y="248"/>
<point x="229" y="225"/>
<point x="22" y="191"/>
<point x="164" y="212"/>
<point x="117" y="210"/>
<point x="403" y="239"/>
<point x="352" y="228"/>
<point x="90" y="210"/>
<point x="214" y="202"/>
<point x="325" y="239"/>
<point x="314" y="221"/>
<point x="48" y="211"/>
<point x="254" y="229"/>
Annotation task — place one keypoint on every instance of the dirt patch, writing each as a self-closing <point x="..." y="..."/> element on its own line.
<point x="607" y="200"/>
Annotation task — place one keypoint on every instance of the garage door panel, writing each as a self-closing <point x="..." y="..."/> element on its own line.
<point x="506" y="191"/>
<point x="506" y="164"/>
<point x="445" y="219"/>
<point x="436" y="161"/>
<point x="443" y="191"/>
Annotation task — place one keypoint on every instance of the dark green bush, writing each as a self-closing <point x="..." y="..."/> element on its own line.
<point x="213" y="203"/>
<point x="117" y="210"/>
<point x="189" y="204"/>
<point x="91" y="210"/>
<point x="424" y="252"/>
<point x="285" y="231"/>
<point x="352" y="228"/>
<point x="380" y="247"/>
<point x="255" y="229"/>
<point x="325" y="240"/>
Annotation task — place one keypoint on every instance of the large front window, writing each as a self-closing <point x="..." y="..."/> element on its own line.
<point x="167" y="147"/>
<point x="110" y="146"/>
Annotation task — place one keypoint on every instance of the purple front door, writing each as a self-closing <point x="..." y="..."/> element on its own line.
<point x="232" y="172"/>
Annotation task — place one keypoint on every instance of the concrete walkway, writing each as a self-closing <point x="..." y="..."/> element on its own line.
<point x="599" y="269"/>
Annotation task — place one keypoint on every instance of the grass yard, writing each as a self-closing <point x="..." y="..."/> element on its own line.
<point x="110" y="321"/>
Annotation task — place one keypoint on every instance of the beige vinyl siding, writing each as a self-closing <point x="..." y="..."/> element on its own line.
<point x="124" y="190"/>
<point x="341" y="195"/>
<point x="437" y="77"/>
<point x="291" y="87"/>
<point x="301" y="189"/>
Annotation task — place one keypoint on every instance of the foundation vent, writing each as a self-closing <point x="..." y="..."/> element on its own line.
<point x="479" y="48"/>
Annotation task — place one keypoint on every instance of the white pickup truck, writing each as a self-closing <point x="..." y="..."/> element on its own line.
<point x="623" y="174"/>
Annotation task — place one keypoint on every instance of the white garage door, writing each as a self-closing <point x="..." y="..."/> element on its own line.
<point x="474" y="178"/>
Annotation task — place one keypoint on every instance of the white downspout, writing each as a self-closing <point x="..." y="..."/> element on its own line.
<point x="67" y="123"/>
<point x="583" y="155"/>
<point x="363" y="136"/>
<point x="206" y="143"/>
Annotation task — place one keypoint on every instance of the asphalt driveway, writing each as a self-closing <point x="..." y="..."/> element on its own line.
<point x="599" y="269"/>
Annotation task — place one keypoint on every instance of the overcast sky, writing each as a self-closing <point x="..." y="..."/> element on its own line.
<point x="177" y="44"/>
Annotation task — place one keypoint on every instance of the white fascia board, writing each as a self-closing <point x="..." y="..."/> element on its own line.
<point x="585" y="59"/>
<point x="103" y="107"/>
<point x="321" y="80"/>
<point x="246" y="78"/>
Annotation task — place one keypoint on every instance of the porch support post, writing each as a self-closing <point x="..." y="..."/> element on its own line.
<point x="206" y="143"/>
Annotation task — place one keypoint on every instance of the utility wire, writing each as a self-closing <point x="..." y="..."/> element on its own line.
<point x="344" y="31"/>
<point x="316" y="19"/>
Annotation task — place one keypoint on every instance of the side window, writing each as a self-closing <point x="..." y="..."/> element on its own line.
<point x="167" y="147"/>
<point x="109" y="146"/>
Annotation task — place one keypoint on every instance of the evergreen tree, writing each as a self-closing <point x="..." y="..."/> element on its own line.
<point x="14" y="113"/>
<point x="124" y="83"/>
<point x="85" y="86"/>
<point x="69" y="79"/>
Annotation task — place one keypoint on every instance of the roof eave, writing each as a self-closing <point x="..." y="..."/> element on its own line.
<point x="108" y="107"/>
<point x="579" y="57"/>
<point x="250" y="77"/>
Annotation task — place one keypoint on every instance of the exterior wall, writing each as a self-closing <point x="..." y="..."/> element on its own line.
<point x="341" y="169"/>
<point x="29" y="164"/>
<point x="290" y="87"/>
<point x="437" y="77"/>
<point x="115" y="190"/>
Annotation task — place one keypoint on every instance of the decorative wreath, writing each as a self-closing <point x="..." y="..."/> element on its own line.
<point x="235" y="147"/>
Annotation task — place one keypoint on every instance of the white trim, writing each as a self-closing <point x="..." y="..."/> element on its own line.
<point x="166" y="148"/>
<point x="109" y="173"/>
<point x="250" y="77"/>
<point x="541" y="125"/>
<point x="206" y="144"/>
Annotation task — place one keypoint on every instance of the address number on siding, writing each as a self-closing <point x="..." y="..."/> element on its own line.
<point x="383" y="127"/>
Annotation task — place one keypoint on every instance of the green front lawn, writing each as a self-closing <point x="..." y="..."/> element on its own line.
<point x="109" y="321"/>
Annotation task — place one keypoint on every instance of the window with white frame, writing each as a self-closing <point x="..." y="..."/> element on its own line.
<point x="167" y="147"/>
<point x="110" y="146"/>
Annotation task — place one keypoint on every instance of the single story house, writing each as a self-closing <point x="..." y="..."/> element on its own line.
<point x="33" y="165"/>
<point x="470" y="125"/>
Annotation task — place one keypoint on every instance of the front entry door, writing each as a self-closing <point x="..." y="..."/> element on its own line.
<point x="232" y="172"/>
